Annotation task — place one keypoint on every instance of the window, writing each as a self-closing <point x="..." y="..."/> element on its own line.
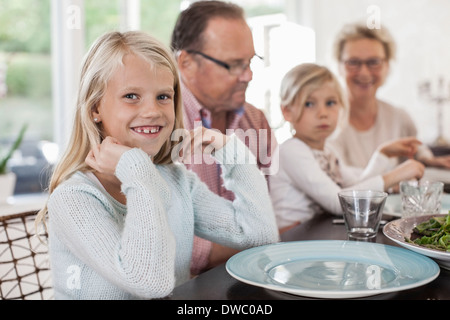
<point x="269" y="35"/>
<point x="158" y="18"/>
<point x="25" y="68"/>
<point x="25" y="87"/>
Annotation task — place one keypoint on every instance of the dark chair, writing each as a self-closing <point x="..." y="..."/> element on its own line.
<point x="24" y="262"/>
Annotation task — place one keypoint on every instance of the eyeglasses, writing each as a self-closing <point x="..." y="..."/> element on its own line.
<point x="373" y="64"/>
<point x="234" y="69"/>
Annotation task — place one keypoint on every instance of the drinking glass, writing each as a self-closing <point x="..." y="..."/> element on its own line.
<point x="362" y="213"/>
<point x="420" y="197"/>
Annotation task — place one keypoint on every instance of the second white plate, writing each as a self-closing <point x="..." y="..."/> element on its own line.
<point x="400" y="229"/>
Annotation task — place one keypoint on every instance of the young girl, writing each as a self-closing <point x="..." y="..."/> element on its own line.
<point x="310" y="176"/>
<point x="122" y="215"/>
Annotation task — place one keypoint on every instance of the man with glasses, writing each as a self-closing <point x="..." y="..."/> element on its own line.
<point x="214" y="48"/>
<point x="364" y="57"/>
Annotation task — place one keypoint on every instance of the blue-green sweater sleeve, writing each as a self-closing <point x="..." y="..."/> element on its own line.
<point x="248" y="220"/>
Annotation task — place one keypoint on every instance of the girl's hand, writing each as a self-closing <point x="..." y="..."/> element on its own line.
<point x="408" y="170"/>
<point x="104" y="157"/>
<point x="201" y="141"/>
<point x="405" y="147"/>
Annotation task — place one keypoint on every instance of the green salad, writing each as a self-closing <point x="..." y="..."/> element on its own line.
<point x="433" y="234"/>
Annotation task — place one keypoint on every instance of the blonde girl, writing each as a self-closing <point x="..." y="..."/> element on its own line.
<point x="121" y="214"/>
<point x="310" y="175"/>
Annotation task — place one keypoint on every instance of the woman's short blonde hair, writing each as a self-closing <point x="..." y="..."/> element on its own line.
<point x="99" y="65"/>
<point x="356" y="31"/>
<point x="299" y="82"/>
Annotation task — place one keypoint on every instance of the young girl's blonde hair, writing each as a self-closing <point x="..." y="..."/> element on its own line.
<point x="100" y="63"/>
<point x="299" y="82"/>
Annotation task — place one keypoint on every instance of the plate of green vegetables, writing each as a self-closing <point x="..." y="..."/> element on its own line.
<point x="428" y="235"/>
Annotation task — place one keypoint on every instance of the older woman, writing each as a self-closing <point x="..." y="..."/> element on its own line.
<point x="364" y="56"/>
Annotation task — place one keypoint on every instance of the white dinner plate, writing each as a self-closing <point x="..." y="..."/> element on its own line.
<point x="393" y="204"/>
<point x="332" y="268"/>
<point x="398" y="230"/>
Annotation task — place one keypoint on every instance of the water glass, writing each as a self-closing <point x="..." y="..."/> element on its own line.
<point x="420" y="197"/>
<point x="362" y="213"/>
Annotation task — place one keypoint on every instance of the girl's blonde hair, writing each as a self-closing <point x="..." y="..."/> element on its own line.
<point x="99" y="65"/>
<point x="356" y="31"/>
<point x="299" y="82"/>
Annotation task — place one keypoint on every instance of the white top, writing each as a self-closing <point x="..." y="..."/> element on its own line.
<point x="102" y="249"/>
<point x="300" y="188"/>
<point x="355" y="148"/>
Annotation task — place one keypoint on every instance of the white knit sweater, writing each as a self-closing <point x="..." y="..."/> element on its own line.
<point x="101" y="249"/>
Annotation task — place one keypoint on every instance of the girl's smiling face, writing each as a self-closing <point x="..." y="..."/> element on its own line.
<point x="138" y="105"/>
<point x="319" y="116"/>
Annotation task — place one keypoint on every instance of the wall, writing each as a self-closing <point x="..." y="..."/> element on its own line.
<point x="422" y="33"/>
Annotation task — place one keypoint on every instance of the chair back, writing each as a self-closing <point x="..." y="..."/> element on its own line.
<point x="24" y="261"/>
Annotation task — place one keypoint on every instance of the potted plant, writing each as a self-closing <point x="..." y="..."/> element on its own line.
<point x="7" y="178"/>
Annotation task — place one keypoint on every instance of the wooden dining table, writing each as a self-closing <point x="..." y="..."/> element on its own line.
<point x="217" y="284"/>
